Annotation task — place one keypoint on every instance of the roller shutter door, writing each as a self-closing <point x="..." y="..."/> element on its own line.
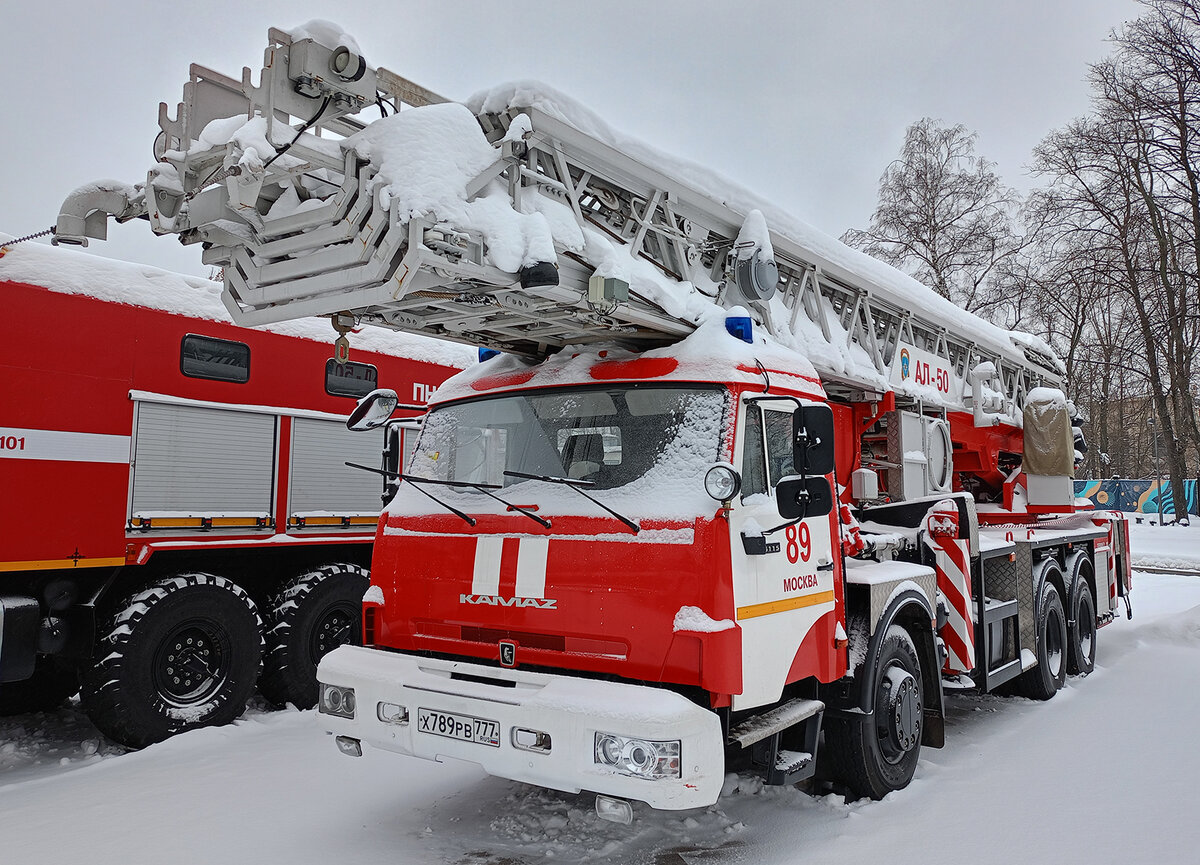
<point x="321" y="482"/>
<point x="198" y="461"/>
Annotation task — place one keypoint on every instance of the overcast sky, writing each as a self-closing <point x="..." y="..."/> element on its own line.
<point x="804" y="102"/>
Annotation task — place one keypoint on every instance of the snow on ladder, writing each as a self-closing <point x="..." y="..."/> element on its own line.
<point x="507" y="226"/>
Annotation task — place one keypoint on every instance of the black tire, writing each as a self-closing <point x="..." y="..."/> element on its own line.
<point x="182" y="654"/>
<point x="1043" y="681"/>
<point x="49" y="687"/>
<point x="313" y="615"/>
<point x="1081" y="641"/>
<point x="879" y="754"/>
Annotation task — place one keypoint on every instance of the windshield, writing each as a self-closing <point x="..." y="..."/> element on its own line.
<point x="611" y="437"/>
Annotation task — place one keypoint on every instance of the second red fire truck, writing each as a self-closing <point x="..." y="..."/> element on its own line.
<point x="176" y="512"/>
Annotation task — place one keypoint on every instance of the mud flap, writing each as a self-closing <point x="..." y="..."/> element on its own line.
<point x="19" y="619"/>
<point x="933" y="731"/>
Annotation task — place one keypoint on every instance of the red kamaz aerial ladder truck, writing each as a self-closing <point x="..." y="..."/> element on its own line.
<point x="731" y="494"/>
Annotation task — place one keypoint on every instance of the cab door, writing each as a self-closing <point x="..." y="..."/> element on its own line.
<point x="782" y="577"/>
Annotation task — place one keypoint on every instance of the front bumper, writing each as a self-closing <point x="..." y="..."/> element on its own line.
<point x="570" y="709"/>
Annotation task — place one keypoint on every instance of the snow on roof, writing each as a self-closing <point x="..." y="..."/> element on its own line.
<point x="886" y="281"/>
<point x="708" y="354"/>
<point x="69" y="271"/>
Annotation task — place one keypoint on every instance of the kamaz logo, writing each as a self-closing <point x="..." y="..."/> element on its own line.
<point x="508" y="653"/>
<point x="497" y="601"/>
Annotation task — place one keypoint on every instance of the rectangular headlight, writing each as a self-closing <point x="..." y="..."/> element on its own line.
<point x="639" y="758"/>
<point x="336" y="700"/>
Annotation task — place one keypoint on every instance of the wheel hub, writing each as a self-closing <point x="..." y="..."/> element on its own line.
<point x="191" y="666"/>
<point x="903" y="710"/>
<point x="335" y="629"/>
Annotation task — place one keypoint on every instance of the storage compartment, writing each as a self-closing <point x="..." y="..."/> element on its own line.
<point x="921" y="452"/>
<point x="322" y="485"/>
<point x="194" y="464"/>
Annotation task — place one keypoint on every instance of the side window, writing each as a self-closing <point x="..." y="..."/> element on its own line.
<point x="350" y="378"/>
<point x="779" y="445"/>
<point x="754" y="467"/>
<point x="767" y="450"/>
<point x="215" y="359"/>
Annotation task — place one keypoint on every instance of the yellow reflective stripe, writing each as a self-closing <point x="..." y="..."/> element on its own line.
<point x="755" y="610"/>
<point x="332" y="521"/>
<point x="196" y="522"/>
<point x="54" y="564"/>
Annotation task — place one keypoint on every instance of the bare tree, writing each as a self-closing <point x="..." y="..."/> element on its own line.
<point x="943" y="216"/>
<point x="1125" y="191"/>
<point x="1153" y="82"/>
<point x="1068" y="283"/>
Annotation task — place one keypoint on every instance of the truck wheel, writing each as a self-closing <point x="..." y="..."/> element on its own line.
<point x="313" y="615"/>
<point x="52" y="682"/>
<point x="1044" y="680"/>
<point x="181" y="654"/>
<point x="879" y="754"/>
<point x="1081" y="643"/>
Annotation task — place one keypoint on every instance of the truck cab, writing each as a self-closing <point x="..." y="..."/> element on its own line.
<point x="646" y="525"/>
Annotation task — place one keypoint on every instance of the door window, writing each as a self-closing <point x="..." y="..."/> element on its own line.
<point x="767" y="449"/>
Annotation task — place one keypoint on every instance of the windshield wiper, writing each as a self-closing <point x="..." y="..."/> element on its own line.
<point x="387" y="473"/>
<point x="483" y="488"/>
<point x="576" y="485"/>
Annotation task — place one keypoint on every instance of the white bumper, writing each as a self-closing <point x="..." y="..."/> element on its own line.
<point x="571" y="710"/>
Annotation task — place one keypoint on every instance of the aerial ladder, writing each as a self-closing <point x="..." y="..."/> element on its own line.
<point x="343" y="252"/>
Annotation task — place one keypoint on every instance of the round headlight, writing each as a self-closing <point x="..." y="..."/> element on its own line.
<point x="608" y="749"/>
<point x="722" y="482"/>
<point x="639" y="756"/>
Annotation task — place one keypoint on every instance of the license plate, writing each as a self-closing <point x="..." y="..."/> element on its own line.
<point x="461" y="727"/>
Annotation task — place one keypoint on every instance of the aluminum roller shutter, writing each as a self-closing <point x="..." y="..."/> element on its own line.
<point x="321" y="482"/>
<point x="197" y="461"/>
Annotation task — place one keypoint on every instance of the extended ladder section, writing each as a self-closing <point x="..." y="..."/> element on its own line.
<point x="554" y="236"/>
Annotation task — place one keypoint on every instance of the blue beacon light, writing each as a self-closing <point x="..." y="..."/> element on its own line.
<point x="740" y="326"/>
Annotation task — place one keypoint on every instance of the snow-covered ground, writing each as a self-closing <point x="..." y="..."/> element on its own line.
<point x="1106" y="772"/>
<point x="1163" y="548"/>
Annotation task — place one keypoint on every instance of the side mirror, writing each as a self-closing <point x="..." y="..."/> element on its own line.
<point x="373" y="410"/>
<point x="799" y="497"/>
<point x="812" y="439"/>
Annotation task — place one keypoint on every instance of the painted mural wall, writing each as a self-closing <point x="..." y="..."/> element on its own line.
<point x="1136" y="495"/>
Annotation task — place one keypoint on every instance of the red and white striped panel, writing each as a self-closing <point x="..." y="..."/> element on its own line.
<point x="513" y="567"/>
<point x="952" y="563"/>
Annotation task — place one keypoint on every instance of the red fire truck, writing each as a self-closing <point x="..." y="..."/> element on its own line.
<point x="733" y="495"/>
<point x="177" y="515"/>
